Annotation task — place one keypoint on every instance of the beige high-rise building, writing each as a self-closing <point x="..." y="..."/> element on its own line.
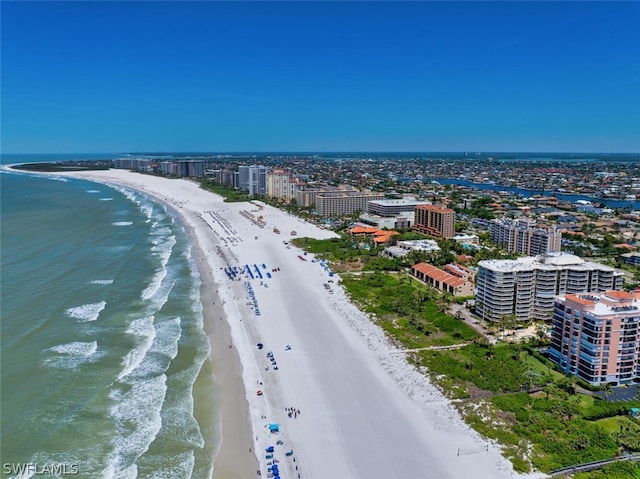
<point x="435" y="220"/>
<point x="280" y="184"/>
<point x="344" y="202"/>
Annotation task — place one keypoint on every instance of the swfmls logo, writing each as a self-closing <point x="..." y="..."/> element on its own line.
<point x="35" y="469"/>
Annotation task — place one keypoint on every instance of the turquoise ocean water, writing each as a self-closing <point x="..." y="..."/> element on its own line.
<point x="103" y="353"/>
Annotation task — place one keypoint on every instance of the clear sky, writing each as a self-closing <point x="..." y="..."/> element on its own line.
<point x="320" y="76"/>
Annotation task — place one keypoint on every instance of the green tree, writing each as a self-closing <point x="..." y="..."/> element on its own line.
<point x="607" y="390"/>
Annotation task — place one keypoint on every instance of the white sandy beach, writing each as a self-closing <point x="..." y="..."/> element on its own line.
<point x="364" y="412"/>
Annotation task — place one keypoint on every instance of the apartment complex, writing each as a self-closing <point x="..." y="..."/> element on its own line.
<point x="344" y="202"/>
<point x="191" y="168"/>
<point x="526" y="287"/>
<point x="307" y="196"/>
<point x="225" y="177"/>
<point x="631" y="258"/>
<point x="141" y="164"/>
<point x="525" y="237"/>
<point x="393" y="207"/>
<point x="441" y="280"/>
<point x="253" y="179"/>
<point x="596" y="336"/>
<point x="280" y="184"/>
<point x="435" y="221"/>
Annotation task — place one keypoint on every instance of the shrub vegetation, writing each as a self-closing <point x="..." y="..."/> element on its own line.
<point x="507" y="392"/>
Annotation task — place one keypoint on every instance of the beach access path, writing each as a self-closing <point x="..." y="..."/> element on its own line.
<point x="343" y="405"/>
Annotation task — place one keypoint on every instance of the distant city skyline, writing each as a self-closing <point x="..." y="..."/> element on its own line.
<point x="320" y="77"/>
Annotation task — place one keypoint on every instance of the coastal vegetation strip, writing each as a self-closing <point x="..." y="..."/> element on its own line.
<point x="230" y="195"/>
<point x="64" y="167"/>
<point x="508" y="392"/>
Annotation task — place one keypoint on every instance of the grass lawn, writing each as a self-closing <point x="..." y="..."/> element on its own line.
<point x="540" y="368"/>
<point x="586" y="401"/>
<point x="612" y="424"/>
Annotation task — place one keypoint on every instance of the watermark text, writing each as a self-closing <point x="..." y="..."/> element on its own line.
<point x="40" y="469"/>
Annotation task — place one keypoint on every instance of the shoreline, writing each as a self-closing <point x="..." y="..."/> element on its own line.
<point x="235" y="420"/>
<point x="355" y="398"/>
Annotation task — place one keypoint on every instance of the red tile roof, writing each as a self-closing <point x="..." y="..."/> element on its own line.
<point x="619" y="295"/>
<point x="438" y="275"/>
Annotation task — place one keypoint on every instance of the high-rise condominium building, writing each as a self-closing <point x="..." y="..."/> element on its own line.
<point x="526" y="287"/>
<point x="525" y="237"/>
<point x="192" y="168"/>
<point x="280" y="184"/>
<point x="243" y="177"/>
<point x="253" y="179"/>
<point x="435" y="221"/>
<point x="393" y="207"/>
<point x="169" y="168"/>
<point x="133" y="164"/>
<point x="343" y="202"/>
<point x="596" y="336"/>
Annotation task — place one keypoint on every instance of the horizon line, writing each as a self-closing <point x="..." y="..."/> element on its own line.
<point x="327" y="152"/>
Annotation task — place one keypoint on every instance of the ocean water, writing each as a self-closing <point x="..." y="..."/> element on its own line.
<point x="104" y="359"/>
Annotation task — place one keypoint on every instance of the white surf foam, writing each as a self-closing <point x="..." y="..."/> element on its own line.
<point x="136" y="412"/>
<point x="54" y="178"/>
<point x="76" y="348"/>
<point x="167" y="337"/>
<point x="144" y="329"/>
<point x="86" y="312"/>
<point x="164" y="251"/>
<point x="101" y="281"/>
<point x="179" y="417"/>
<point x="106" y="199"/>
<point x="146" y="209"/>
<point x="182" y="465"/>
<point x="71" y="355"/>
<point x="93" y="191"/>
<point x="122" y="223"/>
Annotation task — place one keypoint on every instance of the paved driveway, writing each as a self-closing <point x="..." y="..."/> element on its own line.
<point x="622" y="393"/>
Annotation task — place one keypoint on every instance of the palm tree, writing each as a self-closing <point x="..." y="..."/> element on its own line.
<point x="541" y="334"/>
<point x="504" y="322"/>
<point x="479" y="306"/>
<point x="607" y="390"/>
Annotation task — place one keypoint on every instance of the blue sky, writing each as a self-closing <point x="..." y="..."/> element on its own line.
<point x="320" y="76"/>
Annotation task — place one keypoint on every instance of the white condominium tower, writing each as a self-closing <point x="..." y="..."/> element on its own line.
<point x="526" y="287"/>
<point x="253" y="179"/>
<point x="525" y="237"/>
